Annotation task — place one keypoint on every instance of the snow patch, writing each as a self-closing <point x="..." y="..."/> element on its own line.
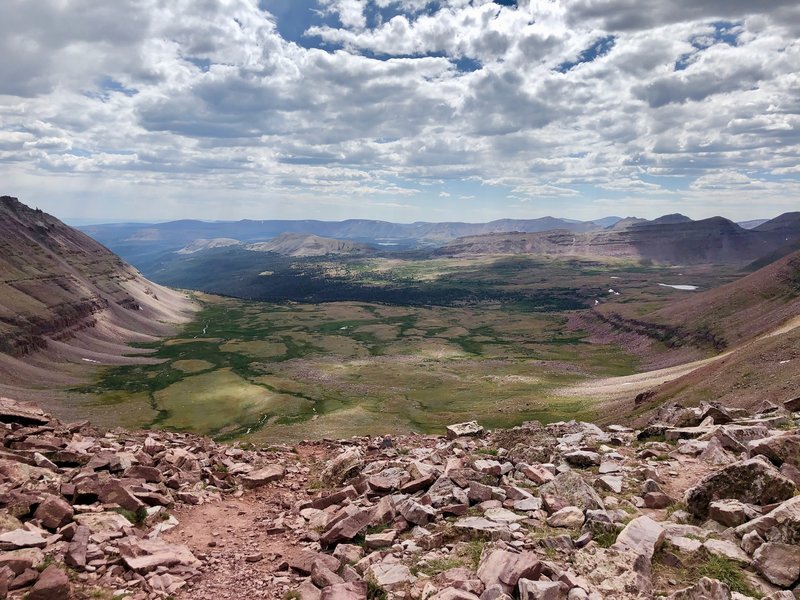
<point x="685" y="288"/>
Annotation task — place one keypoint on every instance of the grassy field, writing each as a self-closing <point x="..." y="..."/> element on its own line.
<point x="287" y="371"/>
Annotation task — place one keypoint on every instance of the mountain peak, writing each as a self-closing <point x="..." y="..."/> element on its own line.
<point x="671" y="219"/>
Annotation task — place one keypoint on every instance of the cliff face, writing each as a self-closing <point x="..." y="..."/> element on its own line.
<point x="56" y="282"/>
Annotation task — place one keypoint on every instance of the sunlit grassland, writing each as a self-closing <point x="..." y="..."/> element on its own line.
<point x="288" y="371"/>
<point x="278" y="372"/>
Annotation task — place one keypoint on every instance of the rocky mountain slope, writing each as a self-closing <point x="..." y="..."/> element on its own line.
<point x="701" y="504"/>
<point x="673" y="239"/>
<point x="751" y="326"/>
<point x="720" y="318"/>
<point x="66" y="298"/>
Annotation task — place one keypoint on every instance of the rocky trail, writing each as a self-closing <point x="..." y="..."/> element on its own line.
<point x="701" y="504"/>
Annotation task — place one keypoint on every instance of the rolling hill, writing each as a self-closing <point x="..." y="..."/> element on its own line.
<point x="300" y="244"/>
<point x="204" y="244"/>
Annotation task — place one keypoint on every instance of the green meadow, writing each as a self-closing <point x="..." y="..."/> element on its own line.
<point x="267" y="371"/>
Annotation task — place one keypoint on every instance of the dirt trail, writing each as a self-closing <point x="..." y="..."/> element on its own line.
<point x="235" y="536"/>
<point x="611" y="388"/>
<point x="248" y="541"/>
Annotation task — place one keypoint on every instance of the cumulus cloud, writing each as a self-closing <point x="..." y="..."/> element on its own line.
<point x="569" y="100"/>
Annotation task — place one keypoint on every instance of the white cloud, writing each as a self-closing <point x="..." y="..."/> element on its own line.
<point x="187" y="96"/>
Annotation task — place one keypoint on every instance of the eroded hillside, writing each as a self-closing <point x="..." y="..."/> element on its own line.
<point x="67" y="299"/>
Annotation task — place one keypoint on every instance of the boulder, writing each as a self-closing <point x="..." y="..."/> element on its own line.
<point x="505" y="569"/>
<point x="730" y="513"/>
<point x="570" y="517"/>
<point x="481" y="525"/>
<point x="718" y="413"/>
<point x="685" y="544"/>
<point x="782" y="524"/>
<point x="6" y="577"/>
<point x="753" y="481"/>
<point x="353" y="590"/>
<point x="54" y="512"/>
<point x="779" y="563"/>
<point x="715" y="454"/>
<point x="572" y="488"/>
<point x="705" y="589"/>
<point x="390" y="575"/>
<point x="539" y="590"/>
<point x="263" y="476"/>
<point x="452" y="593"/>
<point x="736" y="437"/>
<point x="303" y="562"/>
<point x="656" y="500"/>
<point x="726" y="549"/>
<point x="25" y="579"/>
<point x="778" y="449"/>
<point x="53" y="584"/>
<point x="12" y="411"/>
<point x="348" y="553"/>
<point x="347" y="528"/>
<point x="113" y="492"/>
<point x="537" y="474"/>
<point x="106" y="524"/>
<point x="337" y="497"/>
<point x="308" y="591"/>
<point x="145" y="555"/>
<point x="346" y="465"/>
<point x="643" y="535"/>
<point x="502" y="515"/>
<point x="376" y="541"/>
<point x="528" y="504"/>
<point x="20" y="560"/>
<point x="488" y="467"/>
<point x="620" y="574"/>
<point x="21" y="538"/>
<point x="416" y="513"/>
<point x="609" y="483"/>
<point x="459" y="578"/>
<point x="582" y="458"/>
<point x="470" y="428"/>
<point x="791" y="472"/>
<point x="322" y="576"/>
<point x="479" y="492"/>
<point x="78" y="546"/>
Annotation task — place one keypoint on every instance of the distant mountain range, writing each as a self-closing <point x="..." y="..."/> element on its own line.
<point x="147" y="244"/>
<point x="177" y="234"/>
<point x="673" y="239"/>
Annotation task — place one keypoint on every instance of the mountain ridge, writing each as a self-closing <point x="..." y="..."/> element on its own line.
<point x="69" y="299"/>
<point x="670" y="240"/>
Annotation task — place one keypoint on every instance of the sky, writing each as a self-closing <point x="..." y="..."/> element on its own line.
<point x="400" y="110"/>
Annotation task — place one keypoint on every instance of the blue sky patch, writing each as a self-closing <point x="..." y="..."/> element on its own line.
<point x="203" y="64"/>
<point x="294" y="17"/>
<point x="725" y="32"/>
<point x="107" y="85"/>
<point x="599" y="47"/>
